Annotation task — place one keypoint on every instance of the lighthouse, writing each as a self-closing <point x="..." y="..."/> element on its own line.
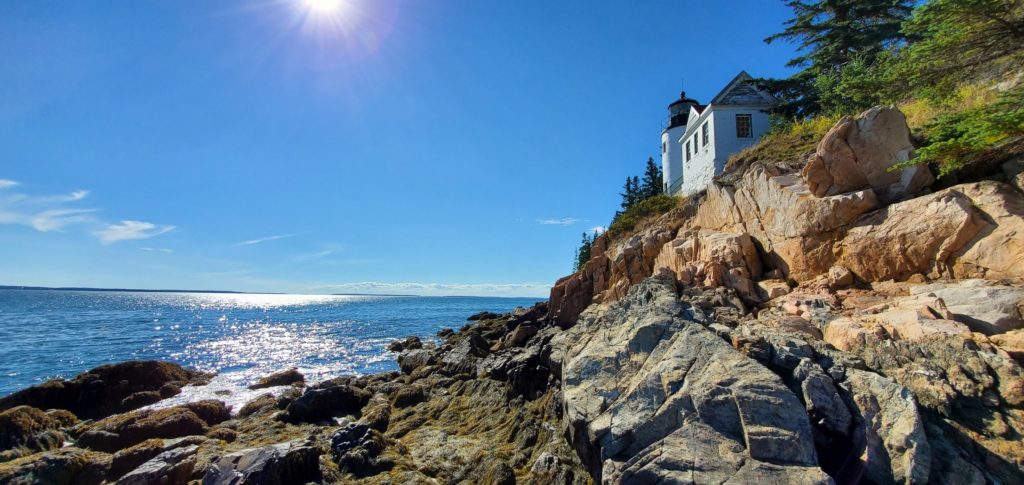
<point x="671" y="150"/>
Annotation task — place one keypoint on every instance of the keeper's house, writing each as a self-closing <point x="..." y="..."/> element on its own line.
<point x="696" y="145"/>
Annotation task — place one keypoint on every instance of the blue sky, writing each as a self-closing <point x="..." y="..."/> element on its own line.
<point x="417" y="146"/>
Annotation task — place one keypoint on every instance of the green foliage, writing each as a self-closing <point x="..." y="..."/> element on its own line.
<point x="859" y="84"/>
<point x="958" y="138"/>
<point x="961" y="41"/>
<point x="832" y="34"/>
<point x="652" y="206"/>
<point x="583" y="253"/>
<point x="631" y="192"/>
<point x="651" y="184"/>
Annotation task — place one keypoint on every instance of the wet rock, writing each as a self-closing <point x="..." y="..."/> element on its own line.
<point x="140" y="399"/>
<point x="325" y="401"/>
<point x="409" y="343"/>
<point x="101" y="391"/>
<point x="169" y="390"/>
<point x="283" y="378"/>
<point x="291" y="462"/>
<point x="483" y="316"/>
<point x="355" y="448"/>
<point x="171" y="467"/>
<point x="445" y="333"/>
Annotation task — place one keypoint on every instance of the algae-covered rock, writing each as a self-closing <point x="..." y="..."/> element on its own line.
<point x="325" y="401"/>
<point x="282" y="378"/>
<point x="102" y="391"/>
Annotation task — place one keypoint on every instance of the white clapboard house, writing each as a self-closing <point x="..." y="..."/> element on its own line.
<point x="700" y="138"/>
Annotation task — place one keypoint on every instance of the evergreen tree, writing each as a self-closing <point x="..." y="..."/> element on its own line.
<point x="958" y="41"/>
<point x="583" y="253"/>
<point x="652" y="180"/>
<point x="830" y="34"/>
<point x="629" y="196"/>
<point x="637" y="196"/>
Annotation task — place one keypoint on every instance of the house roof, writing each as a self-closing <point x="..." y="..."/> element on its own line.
<point x="741" y="91"/>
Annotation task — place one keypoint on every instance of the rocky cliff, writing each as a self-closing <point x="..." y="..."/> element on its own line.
<point x="828" y="321"/>
<point x="838" y="323"/>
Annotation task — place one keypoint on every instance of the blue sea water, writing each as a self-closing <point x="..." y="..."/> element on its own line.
<point x="49" y="333"/>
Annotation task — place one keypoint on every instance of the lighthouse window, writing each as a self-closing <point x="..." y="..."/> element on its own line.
<point x="664" y="147"/>
<point x="687" y="151"/>
<point x="743" y="129"/>
<point x="704" y="133"/>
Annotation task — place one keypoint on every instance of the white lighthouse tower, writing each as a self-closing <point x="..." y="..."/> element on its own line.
<point x="671" y="150"/>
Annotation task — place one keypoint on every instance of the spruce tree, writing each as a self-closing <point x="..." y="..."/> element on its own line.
<point x="652" y="180"/>
<point x="637" y="197"/>
<point x="628" y="194"/>
<point x="583" y="253"/>
<point x="830" y="34"/>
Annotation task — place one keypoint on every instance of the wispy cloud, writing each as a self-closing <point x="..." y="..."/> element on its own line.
<point x="161" y="250"/>
<point x="598" y="230"/>
<point x="43" y="213"/>
<point x="57" y="219"/>
<point x="127" y="230"/>
<point x="440" y="289"/>
<point x="264" y="239"/>
<point x="311" y="256"/>
<point x="564" y="221"/>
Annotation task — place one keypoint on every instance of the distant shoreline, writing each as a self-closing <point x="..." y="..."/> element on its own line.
<point x="229" y="292"/>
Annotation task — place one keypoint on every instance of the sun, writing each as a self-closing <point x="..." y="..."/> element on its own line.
<point x="325" y="7"/>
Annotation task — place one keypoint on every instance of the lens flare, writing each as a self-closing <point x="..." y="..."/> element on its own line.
<point x="325" y="7"/>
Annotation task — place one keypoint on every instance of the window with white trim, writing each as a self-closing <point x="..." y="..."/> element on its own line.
<point x="704" y="133"/>
<point x="743" y="126"/>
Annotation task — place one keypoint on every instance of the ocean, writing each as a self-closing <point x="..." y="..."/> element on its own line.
<point x="57" y="333"/>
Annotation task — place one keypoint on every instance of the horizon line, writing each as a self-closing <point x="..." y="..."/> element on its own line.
<point x="236" y="292"/>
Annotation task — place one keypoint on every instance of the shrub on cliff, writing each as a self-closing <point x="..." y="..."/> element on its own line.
<point x="652" y="206"/>
<point x="957" y="139"/>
